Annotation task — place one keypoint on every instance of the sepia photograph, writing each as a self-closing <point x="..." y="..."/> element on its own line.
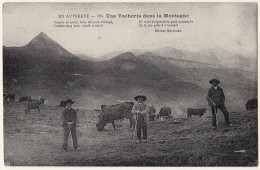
<point x="130" y="84"/>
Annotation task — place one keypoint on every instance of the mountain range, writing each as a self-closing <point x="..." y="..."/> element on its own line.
<point x="167" y="76"/>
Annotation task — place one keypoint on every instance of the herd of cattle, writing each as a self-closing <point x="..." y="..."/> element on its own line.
<point x="110" y="113"/>
<point x="30" y="103"/>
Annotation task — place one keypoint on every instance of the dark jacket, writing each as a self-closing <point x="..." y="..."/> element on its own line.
<point x="215" y="95"/>
<point x="69" y="115"/>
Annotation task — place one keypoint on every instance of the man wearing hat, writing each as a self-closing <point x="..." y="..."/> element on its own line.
<point x="69" y="119"/>
<point x="140" y="109"/>
<point x="216" y="99"/>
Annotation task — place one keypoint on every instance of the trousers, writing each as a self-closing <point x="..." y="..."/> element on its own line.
<point x="223" y="109"/>
<point x="66" y="136"/>
<point x="141" y="125"/>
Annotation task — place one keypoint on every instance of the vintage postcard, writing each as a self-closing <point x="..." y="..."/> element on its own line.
<point x="162" y="84"/>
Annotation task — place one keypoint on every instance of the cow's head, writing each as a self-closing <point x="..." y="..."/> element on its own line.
<point x="204" y="111"/>
<point x="128" y="107"/>
<point x="101" y="122"/>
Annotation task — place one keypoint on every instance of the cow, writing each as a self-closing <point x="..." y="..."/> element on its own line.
<point x="251" y="104"/>
<point x="165" y="111"/>
<point x="199" y="112"/>
<point x="63" y="104"/>
<point x="151" y="113"/>
<point x="110" y="113"/>
<point x="24" y="98"/>
<point x="32" y="104"/>
<point x="10" y="97"/>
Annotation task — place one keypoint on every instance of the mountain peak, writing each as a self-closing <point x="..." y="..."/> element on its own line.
<point x="42" y="37"/>
<point x="126" y="56"/>
<point x="42" y="34"/>
<point x="43" y="43"/>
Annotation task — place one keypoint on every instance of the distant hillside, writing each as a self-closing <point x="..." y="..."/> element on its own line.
<point x="44" y="68"/>
<point x="111" y="55"/>
<point x="237" y="83"/>
<point x="129" y="66"/>
<point x="88" y="58"/>
<point x="216" y="57"/>
<point x="163" y="64"/>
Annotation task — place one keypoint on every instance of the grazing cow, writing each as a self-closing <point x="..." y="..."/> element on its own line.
<point x="165" y="111"/>
<point x="251" y="104"/>
<point x="199" y="112"/>
<point x="151" y="113"/>
<point x="102" y="108"/>
<point x="110" y="113"/>
<point x="24" y="98"/>
<point x="63" y="104"/>
<point x="10" y="97"/>
<point x="32" y="104"/>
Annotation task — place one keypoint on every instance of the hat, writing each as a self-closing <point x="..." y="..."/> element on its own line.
<point x="140" y="96"/>
<point x="214" y="80"/>
<point x="69" y="101"/>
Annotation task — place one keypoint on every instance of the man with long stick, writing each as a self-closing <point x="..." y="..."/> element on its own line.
<point x="140" y="109"/>
<point x="69" y="119"/>
<point x="216" y="99"/>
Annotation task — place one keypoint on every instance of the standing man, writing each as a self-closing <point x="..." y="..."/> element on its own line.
<point x="69" y="119"/>
<point x="216" y="99"/>
<point x="140" y="109"/>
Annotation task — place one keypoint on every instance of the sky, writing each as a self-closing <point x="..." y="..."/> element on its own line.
<point x="231" y="26"/>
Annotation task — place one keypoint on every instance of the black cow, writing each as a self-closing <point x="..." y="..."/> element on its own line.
<point x="110" y="113"/>
<point x="199" y="112"/>
<point x="251" y="104"/>
<point x="165" y="111"/>
<point x="10" y="97"/>
<point x="63" y="104"/>
<point x="24" y="98"/>
<point x="32" y="104"/>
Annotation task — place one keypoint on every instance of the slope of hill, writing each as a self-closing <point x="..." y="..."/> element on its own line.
<point x="54" y="73"/>
<point x="36" y="141"/>
<point x="110" y="55"/>
<point x="234" y="81"/>
<point x="163" y="63"/>
<point x="88" y="58"/>
<point x="44" y="45"/>
<point x="41" y="60"/>
<point x="127" y="65"/>
<point x="216" y="57"/>
<point x="126" y="75"/>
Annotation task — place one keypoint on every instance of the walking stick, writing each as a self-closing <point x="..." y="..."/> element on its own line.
<point x="216" y="117"/>
<point x="71" y="136"/>
<point x="134" y="129"/>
